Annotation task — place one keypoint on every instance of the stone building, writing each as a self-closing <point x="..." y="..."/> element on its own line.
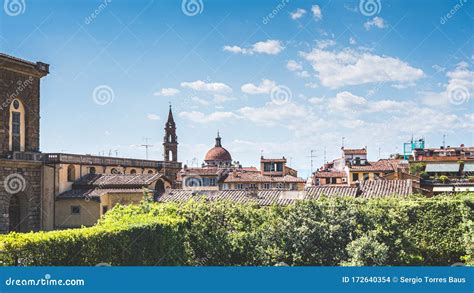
<point x="353" y="167"/>
<point x="220" y="173"/>
<point x="32" y="182"/>
<point x="20" y="160"/>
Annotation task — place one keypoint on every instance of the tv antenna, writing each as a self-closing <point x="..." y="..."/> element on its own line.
<point x="311" y="157"/>
<point x="146" y="146"/>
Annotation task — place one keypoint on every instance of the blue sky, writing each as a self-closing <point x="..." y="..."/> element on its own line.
<point x="273" y="76"/>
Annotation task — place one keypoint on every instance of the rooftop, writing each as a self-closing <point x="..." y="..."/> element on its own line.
<point x="372" y="189"/>
<point x="354" y="151"/>
<point x="54" y="158"/>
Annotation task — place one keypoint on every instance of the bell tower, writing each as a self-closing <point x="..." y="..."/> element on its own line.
<point x="170" y="141"/>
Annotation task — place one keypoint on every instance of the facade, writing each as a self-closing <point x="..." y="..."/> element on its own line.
<point x="32" y="182"/>
<point x="445" y="169"/>
<point x="353" y="167"/>
<point x="220" y="173"/>
<point x="93" y="195"/>
<point x="20" y="160"/>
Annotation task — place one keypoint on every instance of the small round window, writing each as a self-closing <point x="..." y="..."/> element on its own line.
<point x="16" y="104"/>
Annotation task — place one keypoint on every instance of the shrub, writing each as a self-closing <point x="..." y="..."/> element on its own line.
<point x="443" y="178"/>
<point x="141" y="241"/>
<point x="366" y="251"/>
<point x="327" y="231"/>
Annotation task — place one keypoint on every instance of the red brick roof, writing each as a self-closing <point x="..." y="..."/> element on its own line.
<point x="228" y="175"/>
<point x="383" y="165"/>
<point x="355" y="151"/>
<point x="117" y="180"/>
<point x="383" y="188"/>
<point x="263" y="198"/>
<point x="330" y="190"/>
<point x="368" y="189"/>
<point x="95" y="193"/>
<point x="329" y="174"/>
<point x="245" y="176"/>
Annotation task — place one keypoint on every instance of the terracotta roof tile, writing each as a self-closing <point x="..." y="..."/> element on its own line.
<point x="328" y="174"/>
<point x="95" y="193"/>
<point x="331" y="191"/>
<point x="383" y="188"/>
<point x="355" y="151"/>
<point x="384" y="165"/>
<point x="116" y="180"/>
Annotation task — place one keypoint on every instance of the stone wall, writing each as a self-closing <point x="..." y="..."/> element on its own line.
<point x="20" y="177"/>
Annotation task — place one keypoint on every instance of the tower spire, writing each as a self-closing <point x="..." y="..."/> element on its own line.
<point x="170" y="116"/>
<point x="218" y="140"/>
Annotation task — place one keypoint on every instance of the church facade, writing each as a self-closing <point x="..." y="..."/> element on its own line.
<point x="33" y="182"/>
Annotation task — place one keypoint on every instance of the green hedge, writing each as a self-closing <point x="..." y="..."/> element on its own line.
<point x="328" y="231"/>
<point x="141" y="241"/>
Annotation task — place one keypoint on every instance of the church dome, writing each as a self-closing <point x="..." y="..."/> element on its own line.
<point x="218" y="155"/>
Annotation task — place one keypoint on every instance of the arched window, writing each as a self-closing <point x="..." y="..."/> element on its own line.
<point x="17" y="126"/>
<point x="114" y="171"/>
<point x="71" y="173"/>
<point x="92" y="170"/>
<point x="150" y="171"/>
<point x="133" y="171"/>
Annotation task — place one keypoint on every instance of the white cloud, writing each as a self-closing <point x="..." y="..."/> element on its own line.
<point x="199" y="117"/>
<point x="167" y="92"/>
<point x="352" y="41"/>
<point x="438" y="68"/>
<point x="316" y="100"/>
<point x="350" y="67"/>
<point x="153" y="117"/>
<point x="376" y="21"/>
<point x="223" y="98"/>
<point x="387" y="106"/>
<point x="323" y="44"/>
<point x="200" y="85"/>
<point x="346" y="101"/>
<point x="303" y="74"/>
<point x="292" y="65"/>
<point x="298" y="13"/>
<point x="200" y="101"/>
<point x="272" y="113"/>
<point x="316" y="12"/>
<point x="457" y="91"/>
<point x="265" y="87"/>
<point x="271" y="47"/>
